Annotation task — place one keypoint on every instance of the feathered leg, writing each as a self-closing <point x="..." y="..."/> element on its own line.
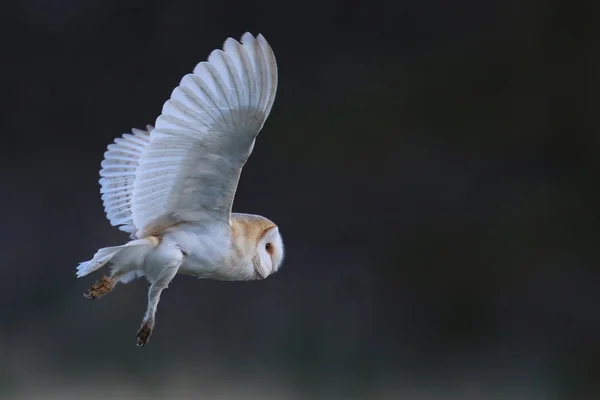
<point x="159" y="279"/>
<point x="125" y="262"/>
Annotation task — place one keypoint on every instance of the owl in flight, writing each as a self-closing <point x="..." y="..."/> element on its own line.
<point x="172" y="186"/>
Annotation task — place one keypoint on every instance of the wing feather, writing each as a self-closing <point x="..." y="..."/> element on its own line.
<point x="118" y="174"/>
<point x="189" y="170"/>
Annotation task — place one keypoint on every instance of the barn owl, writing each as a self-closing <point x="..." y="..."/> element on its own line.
<point x="171" y="186"/>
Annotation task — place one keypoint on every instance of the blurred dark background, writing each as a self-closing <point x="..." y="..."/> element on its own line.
<point x="434" y="167"/>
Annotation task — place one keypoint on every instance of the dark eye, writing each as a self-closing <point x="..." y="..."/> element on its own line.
<point x="268" y="246"/>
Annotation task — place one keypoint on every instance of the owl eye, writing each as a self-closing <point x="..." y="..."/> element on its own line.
<point x="268" y="246"/>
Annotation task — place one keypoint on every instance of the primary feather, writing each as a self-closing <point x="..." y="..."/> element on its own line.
<point x="189" y="170"/>
<point x="118" y="174"/>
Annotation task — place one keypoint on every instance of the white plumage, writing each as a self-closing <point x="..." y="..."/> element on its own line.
<point x="118" y="173"/>
<point x="172" y="186"/>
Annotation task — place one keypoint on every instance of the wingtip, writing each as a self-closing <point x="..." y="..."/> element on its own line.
<point x="247" y="37"/>
<point x="262" y="41"/>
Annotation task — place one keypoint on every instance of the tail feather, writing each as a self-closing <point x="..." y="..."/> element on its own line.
<point x="129" y="256"/>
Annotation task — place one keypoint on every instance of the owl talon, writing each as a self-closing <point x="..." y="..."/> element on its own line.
<point x="100" y="288"/>
<point x="144" y="333"/>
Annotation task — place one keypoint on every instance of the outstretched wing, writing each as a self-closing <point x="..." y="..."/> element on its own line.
<point x="190" y="169"/>
<point x="117" y="175"/>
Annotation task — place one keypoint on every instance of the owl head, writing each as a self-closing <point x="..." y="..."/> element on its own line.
<point x="259" y="243"/>
<point x="269" y="252"/>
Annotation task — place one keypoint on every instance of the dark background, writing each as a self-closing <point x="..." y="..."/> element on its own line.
<point x="433" y="167"/>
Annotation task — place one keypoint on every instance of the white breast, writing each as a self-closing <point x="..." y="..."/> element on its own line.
<point x="207" y="247"/>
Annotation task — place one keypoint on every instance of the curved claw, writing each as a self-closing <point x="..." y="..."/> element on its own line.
<point x="143" y="335"/>
<point x="100" y="288"/>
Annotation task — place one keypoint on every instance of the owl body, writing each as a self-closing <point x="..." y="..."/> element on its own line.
<point x="206" y="248"/>
<point x="250" y="248"/>
<point x="172" y="186"/>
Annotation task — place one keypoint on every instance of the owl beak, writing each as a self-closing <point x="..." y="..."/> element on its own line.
<point x="261" y="272"/>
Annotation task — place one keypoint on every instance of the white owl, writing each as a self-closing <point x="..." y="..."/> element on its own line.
<point x="172" y="187"/>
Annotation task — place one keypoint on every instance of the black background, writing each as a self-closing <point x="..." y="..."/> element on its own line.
<point x="433" y="167"/>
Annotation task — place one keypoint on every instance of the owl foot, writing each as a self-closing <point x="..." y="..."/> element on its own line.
<point x="144" y="333"/>
<point x="100" y="288"/>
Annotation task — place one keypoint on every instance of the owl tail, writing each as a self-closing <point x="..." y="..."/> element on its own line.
<point x="125" y="258"/>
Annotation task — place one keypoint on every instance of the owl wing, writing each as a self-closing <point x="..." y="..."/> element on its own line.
<point x="189" y="169"/>
<point x="117" y="176"/>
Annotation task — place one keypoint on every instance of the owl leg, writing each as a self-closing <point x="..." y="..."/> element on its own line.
<point x="154" y="293"/>
<point x="159" y="284"/>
